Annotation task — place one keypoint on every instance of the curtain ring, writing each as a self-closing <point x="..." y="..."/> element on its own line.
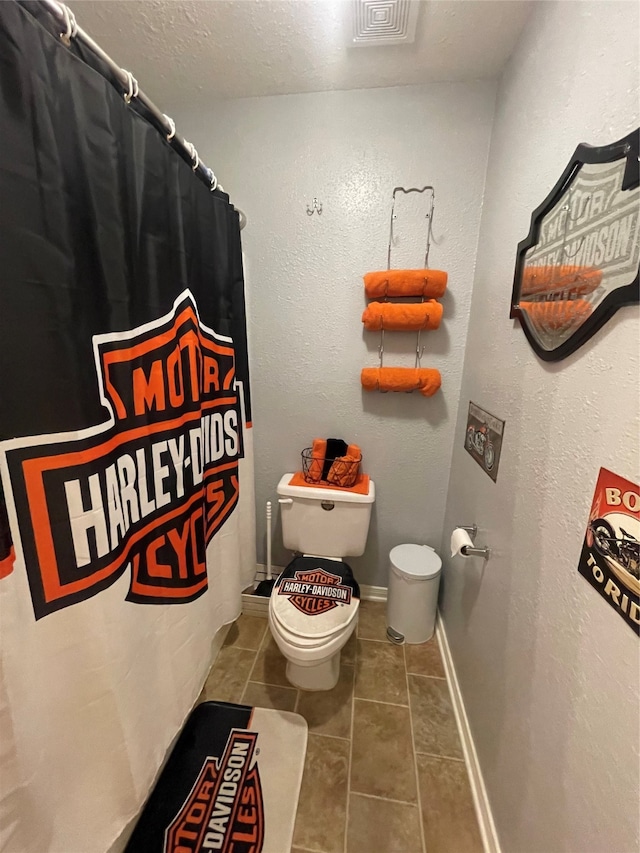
<point x="132" y="84"/>
<point x="172" y="126"/>
<point x="70" y="24"/>
<point x="191" y="148"/>
<point x="213" y="181"/>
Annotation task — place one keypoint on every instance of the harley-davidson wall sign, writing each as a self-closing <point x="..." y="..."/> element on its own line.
<point x="580" y="260"/>
<point x="610" y="558"/>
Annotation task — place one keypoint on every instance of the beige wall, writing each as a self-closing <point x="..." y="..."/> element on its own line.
<point x="548" y="670"/>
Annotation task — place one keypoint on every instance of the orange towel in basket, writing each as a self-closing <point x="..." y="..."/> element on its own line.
<point x="428" y="283"/>
<point x="399" y="316"/>
<point x="423" y="379"/>
<point x="318" y="453"/>
<point x="344" y="471"/>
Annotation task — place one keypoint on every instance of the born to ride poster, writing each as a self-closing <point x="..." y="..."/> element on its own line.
<point x="610" y="558"/>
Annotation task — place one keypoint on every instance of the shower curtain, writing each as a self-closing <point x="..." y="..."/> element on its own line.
<point x="127" y="521"/>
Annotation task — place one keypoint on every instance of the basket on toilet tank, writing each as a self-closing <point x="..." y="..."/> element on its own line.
<point x="348" y="468"/>
<point x="412" y="597"/>
<point x="322" y="521"/>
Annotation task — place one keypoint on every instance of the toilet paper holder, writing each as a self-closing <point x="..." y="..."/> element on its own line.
<point x="466" y="551"/>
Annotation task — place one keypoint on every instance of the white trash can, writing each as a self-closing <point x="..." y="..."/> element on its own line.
<point x="412" y="597"/>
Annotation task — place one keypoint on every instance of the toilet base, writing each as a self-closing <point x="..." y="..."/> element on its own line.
<point x="319" y="676"/>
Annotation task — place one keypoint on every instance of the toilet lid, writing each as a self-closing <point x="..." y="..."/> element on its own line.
<point x="315" y="597"/>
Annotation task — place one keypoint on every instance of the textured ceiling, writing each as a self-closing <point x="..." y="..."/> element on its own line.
<point x="190" y="51"/>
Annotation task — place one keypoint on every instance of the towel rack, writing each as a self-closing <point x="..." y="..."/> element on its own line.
<point x="429" y="216"/>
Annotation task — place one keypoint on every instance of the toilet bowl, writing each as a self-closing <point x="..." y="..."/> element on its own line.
<point x="313" y="609"/>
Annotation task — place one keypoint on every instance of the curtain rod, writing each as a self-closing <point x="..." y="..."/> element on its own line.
<point x="130" y="86"/>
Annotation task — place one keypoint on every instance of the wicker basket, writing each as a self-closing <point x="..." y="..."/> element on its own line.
<point x="342" y="473"/>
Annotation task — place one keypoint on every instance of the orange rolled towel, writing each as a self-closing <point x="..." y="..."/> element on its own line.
<point x="318" y="453"/>
<point x="428" y="283"/>
<point x="423" y="379"/>
<point x="398" y="316"/>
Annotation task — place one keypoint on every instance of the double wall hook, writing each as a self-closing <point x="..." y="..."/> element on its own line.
<point x="315" y="208"/>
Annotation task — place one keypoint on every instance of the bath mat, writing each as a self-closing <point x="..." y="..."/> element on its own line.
<point x="230" y="785"/>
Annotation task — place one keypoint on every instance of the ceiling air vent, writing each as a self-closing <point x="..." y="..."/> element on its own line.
<point x="384" y="22"/>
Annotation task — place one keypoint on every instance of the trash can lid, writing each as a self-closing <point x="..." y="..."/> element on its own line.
<point x="416" y="561"/>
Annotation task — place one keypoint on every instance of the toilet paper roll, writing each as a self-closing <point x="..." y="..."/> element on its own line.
<point x="459" y="538"/>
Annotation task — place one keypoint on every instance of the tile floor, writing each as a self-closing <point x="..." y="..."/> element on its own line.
<point x="384" y="771"/>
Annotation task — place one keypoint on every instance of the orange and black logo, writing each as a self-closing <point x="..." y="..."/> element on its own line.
<point x="316" y="591"/>
<point x="147" y="489"/>
<point x="224" y="811"/>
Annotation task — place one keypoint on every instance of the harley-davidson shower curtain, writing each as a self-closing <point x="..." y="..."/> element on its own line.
<point x="127" y="520"/>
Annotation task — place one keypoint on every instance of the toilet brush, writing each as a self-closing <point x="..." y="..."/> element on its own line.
<point x="265" y="587"/>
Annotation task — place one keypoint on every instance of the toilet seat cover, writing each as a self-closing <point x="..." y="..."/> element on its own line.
<point x="315" y="597"/>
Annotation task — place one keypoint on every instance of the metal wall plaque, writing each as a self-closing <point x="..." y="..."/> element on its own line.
<point x="580" y="260"/>
<point x="483" y="439"/>
<point x="610" y="558"/>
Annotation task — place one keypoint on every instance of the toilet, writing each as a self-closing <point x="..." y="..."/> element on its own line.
<point x="313" y="609"/>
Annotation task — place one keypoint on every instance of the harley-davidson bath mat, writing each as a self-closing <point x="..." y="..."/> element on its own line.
<point x="230" y="785"/>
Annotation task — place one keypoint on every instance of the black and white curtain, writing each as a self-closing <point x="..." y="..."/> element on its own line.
<point x="127" y="520"/>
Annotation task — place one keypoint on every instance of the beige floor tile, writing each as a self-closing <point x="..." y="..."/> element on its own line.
<point x="424" y="659"/>
<point x="379" y="826"/>
<point x="448" y="815"/>
<point x="322" y="808"/>
<point x="247" y="632"/>
<point x="382" y="757"/>
<point x="328" y="712"/>
<point x="228" y="675"/>
<point x="348" y="654"/>
<point x="380" y="673"/>
<point x="270" y="667"/>
<point x="268" y="696"/>
<point x="372" y="620"/>
<point x="434" y="724"/>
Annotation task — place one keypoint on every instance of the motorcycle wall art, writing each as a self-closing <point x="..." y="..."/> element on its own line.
<point x="610" y="558"/>
<point x="483" y="439"/>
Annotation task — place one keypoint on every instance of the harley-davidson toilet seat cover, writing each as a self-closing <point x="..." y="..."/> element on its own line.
<point x="315" y="597"/>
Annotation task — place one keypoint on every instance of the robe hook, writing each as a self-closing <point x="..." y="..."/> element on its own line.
<point x="315" y="208"/>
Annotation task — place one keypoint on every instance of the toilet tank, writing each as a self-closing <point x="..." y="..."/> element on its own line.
<point x="324" y="522"/>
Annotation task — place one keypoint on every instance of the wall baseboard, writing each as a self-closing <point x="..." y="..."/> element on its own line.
<point x="373" y="593"/>
<point x="255" y="605"/>
<point x="488" y="831"/>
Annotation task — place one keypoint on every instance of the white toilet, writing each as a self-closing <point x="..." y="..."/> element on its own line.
<point x="313" y="609"/>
